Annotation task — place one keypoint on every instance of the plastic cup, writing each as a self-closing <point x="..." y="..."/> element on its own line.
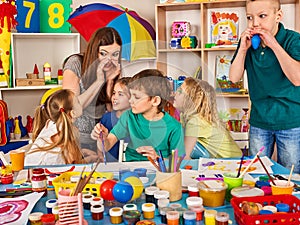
<point x="281" y="187"/>
<point x="232" y="181"/>
<point x="17" y="159"/>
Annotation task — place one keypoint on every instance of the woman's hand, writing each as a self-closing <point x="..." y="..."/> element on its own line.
<point x="147" y="151"/>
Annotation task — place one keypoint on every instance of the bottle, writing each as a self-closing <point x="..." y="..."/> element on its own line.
<point x="47" y="72"/>
<point x="3" y="80"/>
<point x="39" y="181"/>
<point x="245" y="121"/>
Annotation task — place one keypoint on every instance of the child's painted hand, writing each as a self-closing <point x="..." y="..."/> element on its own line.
<point x="147" y="151"/>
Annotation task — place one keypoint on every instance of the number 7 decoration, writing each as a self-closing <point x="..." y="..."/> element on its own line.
<point x="45" y="16"/>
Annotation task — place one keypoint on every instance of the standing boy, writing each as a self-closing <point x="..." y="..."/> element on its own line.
<point x="149" y="128"/>
<point x="273" y="71"/>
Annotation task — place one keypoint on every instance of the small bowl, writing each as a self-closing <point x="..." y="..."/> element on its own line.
<point x="281" y="187"/>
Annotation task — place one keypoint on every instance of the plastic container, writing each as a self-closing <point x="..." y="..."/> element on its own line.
<point x="189" y="218"/>
<point x="194" y="201"/>
<point x="48" y="219"/>
<point x="163" y="214"/>
<point x="290" y="218"/>
<point x="281" y="187"/>
<point x="172" y="218"/>
<point x="146" y="222"/>
<point x="175" y="205"/>
<point x="116" y="215"/>
<point x="87" y="199"/>
<point x="160" y="195"/>
<point x="210" y="217"/>
<point x="55" y="211"/>
<point x="163" y="202"/>
<point x="149" y="192"/>
<point x="97" y="201"/>
<point x="131" y="217"/>
<point x="35" y="218"/>
<point x="148" y="210"/>
<point x="212" y="192"/>
<point x="199" y="210"/>
<point x="50" y="204"/>
<point x="97" y="212"/>
<point x="222" y="218"/>
<point x="64" y="181"/>
<point x="246" y="191"/>
<point x="193" y="190"/>
<point x="39" y="181"/>
<point x="130" y="206"/>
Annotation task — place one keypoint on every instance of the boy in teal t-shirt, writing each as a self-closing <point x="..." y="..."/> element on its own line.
<point x="149" y="128"/>
<point x="273" y="71"/>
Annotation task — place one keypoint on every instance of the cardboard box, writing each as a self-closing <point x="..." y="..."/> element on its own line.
<point x="30" y="82"/>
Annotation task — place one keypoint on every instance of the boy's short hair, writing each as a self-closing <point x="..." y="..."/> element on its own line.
<point x="153" y="83"/>
<point x="275" y="3"/>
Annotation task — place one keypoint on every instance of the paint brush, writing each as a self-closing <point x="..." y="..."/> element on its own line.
<point x="241" y="163"/>
<point x="103" y="146"/>
<point x="250" y="164"/>
<point x="261" y="162"/>
<point x="290" y="176"/>
<point x="153" y="163"/>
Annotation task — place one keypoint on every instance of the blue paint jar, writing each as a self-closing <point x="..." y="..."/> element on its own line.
<point x="189" y="218"/>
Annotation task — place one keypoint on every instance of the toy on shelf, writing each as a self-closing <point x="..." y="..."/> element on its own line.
<point x="29" y="125"/>
<point x="22" y="128"/>
<point x="181" y="38"/>
<point x="17" y="130"/>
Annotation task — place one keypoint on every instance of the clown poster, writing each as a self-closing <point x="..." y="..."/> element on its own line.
<point x="224" y="28"/>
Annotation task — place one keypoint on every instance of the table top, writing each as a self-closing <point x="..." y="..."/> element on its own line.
<point x="114" y="167"/>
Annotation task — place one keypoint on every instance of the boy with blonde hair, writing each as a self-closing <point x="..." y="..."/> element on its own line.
<point x="273" y="71"/>
<point x="150" y="128"/>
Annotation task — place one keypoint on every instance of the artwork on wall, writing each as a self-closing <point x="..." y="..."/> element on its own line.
<point x="224" y="28"/>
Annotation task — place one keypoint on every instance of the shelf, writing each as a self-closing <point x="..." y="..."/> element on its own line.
<point x="229" y="95"/>
<point x="21" y="88"/>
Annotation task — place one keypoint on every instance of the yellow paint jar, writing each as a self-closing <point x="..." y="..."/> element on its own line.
<point x="148" y="210"/>
<point x="212" y="192"/>
<point x="116" y="215"/>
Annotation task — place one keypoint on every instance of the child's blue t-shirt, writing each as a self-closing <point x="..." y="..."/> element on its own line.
<point x="165" y="134"/>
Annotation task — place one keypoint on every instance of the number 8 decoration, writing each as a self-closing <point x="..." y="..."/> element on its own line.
<point x="45" y="16"/>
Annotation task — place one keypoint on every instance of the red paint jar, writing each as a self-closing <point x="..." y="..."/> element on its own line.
<point x="7" y="178"/>
<point x="39" y="181"/>
<point x="193" y="190"/>
<point x="97" y="212"/>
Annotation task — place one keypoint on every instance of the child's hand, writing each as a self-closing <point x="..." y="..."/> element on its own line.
<point x="147" y="151"/>
<point x="246" y="39"/>
<point x="267" y="37"/>
<point x="89" y="155"/>
<point x="95" y="135"/>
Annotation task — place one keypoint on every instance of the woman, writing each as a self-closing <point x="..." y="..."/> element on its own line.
<point x="91" y="77"/>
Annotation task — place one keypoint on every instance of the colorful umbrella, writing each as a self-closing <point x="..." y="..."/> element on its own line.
<point x="138" y="36"/>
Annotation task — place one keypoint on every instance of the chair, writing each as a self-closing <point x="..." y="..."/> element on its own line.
<point x="122" y="149"/>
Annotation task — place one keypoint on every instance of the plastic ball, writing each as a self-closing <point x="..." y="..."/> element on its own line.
<point x="128" y="174"/>
<point x="122" y="192"/>
<point x="255" y="41"/>
<point x="106" y="189"/>
<point x="137" y="186"/>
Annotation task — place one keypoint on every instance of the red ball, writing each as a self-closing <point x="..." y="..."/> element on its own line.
<point x="106" y="189"/>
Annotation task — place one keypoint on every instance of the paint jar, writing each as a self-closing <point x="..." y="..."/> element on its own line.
<point x="193" y="190"/>
<point x="193" y="201"/>
<point x="210" y="217"/>
<point x="116" y="215"/>
<point x="97" y="212"/>
<point x="189" y="218"/>
<point x="48" y="219"/>
<point x="7" y="178"/>
<point x="212" y="192"/>
<point x="97" y="201"/>
<point x="159" y="195"/>
<point x="128" y="207"/>
<point x="50" y="178"/>
<point x="39" y="181"/>
<point x="163" y="214"/>
<point x="87" y="199"/>
<point x="175" y="205"/>
<point x="149" y="192"/>
<point x="199" y="210"/>
<point x="181" y="210"/>
<point x="222" y="218"/>
<point x="35" y="218"/>
<point x="172" y="218"/>
<point x="74" y="179"/>
<point x="163" y="202"/>
<point x="131" y="217"/>
<point x="148" y="210"/>
<point x="55" y="210"/>
<point x="50" y="204"/>
<point x="282" y="207"/>
<point x="146" y="222"/>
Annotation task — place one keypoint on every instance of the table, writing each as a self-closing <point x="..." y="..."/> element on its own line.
<point x="114" y="167"/>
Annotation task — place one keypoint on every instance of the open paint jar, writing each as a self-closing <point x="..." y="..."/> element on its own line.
<point x="212" y="192"/>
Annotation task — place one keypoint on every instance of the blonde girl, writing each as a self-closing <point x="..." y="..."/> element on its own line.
<point x="57" y="142"/>
<point x="204" y="134"/>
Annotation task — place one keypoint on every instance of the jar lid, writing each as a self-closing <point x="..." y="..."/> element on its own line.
<point x="97" y="201"/>
<point x="172" y="215"/>
<point x="193" y="187"/>
<point x="38" y="171"/>
<point x="131" y="214"/>
<point x="163" y="211"/>
<point x="271" y="208"/>
<point x="100" y="180"/>
<point x="222" y="217"/>
<point x="151" y="190"/>
<point x="210" y="213"/>
<point x="51" y="203"/>
<point x="144" y="180"/>
<point x="194" y="201"/>
<point x="148" y="207"/>
<point x="87" y="198"/>
<point x="175" y="205"/>
<point x="282" y="207"/>
<point x="55" y="209"/>
<point x="189" y="215"/>
<point x="116" y="211"/>
<point x="46" y="218"/>
<point x="163" y="202"/>
<point x="246" y="191"/>
<point x="75" y="178"/>
<point x="161" y="194"/>
<point x="35" y="216"/>
<point x="127" y="207"/>
<point x="265" y="212"/>
<point x="97" y="208"/>
<point x="212" y="185"/>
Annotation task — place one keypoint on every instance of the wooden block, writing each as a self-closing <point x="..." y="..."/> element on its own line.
<point x="29" y="82"/>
